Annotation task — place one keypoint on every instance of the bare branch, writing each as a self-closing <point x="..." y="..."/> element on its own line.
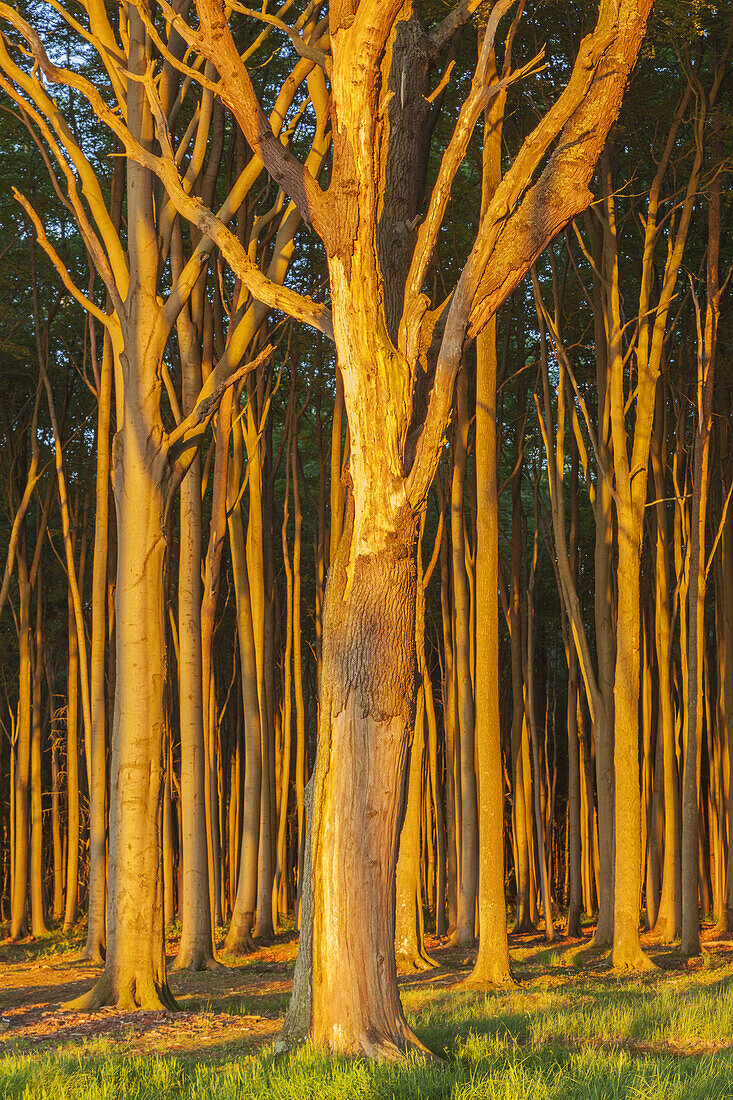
<point x="86" y="303"/>
<point x="189" y="432"/>
<point x="301" y="47"/>
<point x="441" y="34"/>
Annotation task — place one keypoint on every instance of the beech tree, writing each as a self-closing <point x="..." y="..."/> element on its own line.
<point x="400" y="354"/>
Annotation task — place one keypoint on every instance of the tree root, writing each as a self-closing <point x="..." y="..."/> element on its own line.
<point x="195" y="961"/>
<point x="416" y="960"/>
<point x="524" y="927"/>
<point x="459" y="940"/>
<point x="406" y="1048"/>
<point x="242" y="944"/>
<point x="632" y="959"/>
<point x="128" y="995"/>
<point x="600" y="943"/>
<point x="94" y="955"/>
<point x="488" y="978"/>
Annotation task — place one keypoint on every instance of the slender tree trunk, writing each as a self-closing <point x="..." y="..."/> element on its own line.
<point x="707" y="338"/>
<point x="21" y="816"/>
<point x="72" y="774"/>
<point x="96" y="935"/>
<point x="287" y="704"/>
<point x="522" y="919"/>
<point x="534" y="732"/>
<point x="669" y="916"/>
<point x="255" y="570"/>
<point x="239" y="938"/>
<point x="409" y="947"/>
<point x="300" y="719"/>
<point x="196" y="950"/>
<point x="56" y="826"/>
<point x="492" y="963"/>
<point x="575" y="900"/>
<point x="465" y="929"/>
<point x="167" y="836"/>
<point x="38" y="917"/>
<point x="605" y="636"/>
<point x="726" y="552"/>
<point x="449" y="733"/>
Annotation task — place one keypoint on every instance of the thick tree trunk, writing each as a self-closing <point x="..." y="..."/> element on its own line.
<point x="367" y="714"/>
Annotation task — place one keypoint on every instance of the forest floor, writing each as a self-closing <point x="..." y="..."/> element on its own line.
<point x="571" y="1028"/>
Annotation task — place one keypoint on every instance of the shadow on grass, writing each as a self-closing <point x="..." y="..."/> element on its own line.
<point x="477" y="1068"/>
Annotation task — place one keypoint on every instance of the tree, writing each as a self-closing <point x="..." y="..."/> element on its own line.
<point x="397" y="355"/>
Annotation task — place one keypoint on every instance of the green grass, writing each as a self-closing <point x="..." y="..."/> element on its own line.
<point x="566" y="1034"/>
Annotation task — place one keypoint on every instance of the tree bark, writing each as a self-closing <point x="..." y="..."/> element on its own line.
<point x="21" y="817"/>
<point x="72" y="774"/>
<point x="468" y="878"/>
<point x="366" y="723"/>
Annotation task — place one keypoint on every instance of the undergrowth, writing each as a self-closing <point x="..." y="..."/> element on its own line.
<point x="565" y="1033"/>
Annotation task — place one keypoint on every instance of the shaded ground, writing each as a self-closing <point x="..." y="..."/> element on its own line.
<point x="240" y="1004"/>
<point x="238" y="1010"/>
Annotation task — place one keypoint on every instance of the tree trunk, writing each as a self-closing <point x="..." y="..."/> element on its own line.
<point x="134" y="973"/>
<point x="627" y="951"/>
<point x="196" y="950"/>
<point x="448" y="694"/>
<point x="409" y="947"/>
<point x="492" y="963"/>
<point x="468" y="878"/>
<point x="669" y="916"/>
<point x="21" y="817"/>
<point x="72" y="774"/>
<point x="367" y="715"/>
<point x="522" y="918"/>
<point x="56" y="826"/>
<point x="38" y="917"/>
<point x="96" y="934"/>
<point x="240" y="932"/>
<point x="575" y="901"/>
